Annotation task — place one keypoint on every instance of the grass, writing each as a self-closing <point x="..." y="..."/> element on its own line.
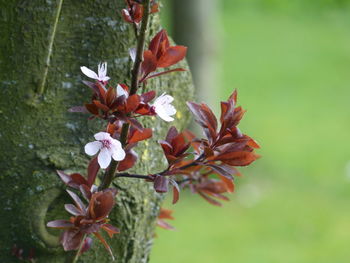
<point x="292" y="72"/>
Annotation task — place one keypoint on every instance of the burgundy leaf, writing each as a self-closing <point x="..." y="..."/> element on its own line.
<point x="77" y="200"/>
<point x="172" y="56"/>
<point x="111" y="230"/>
<point x="161" y="184"/>
<point x="72" y="209"/>
<point x="71" y="239"/>
<point x="87" y="245"/>
<point x="141" y="135"/>
<point x="128" y="162"/>
<point x="61" y="224"/>
<point x="93" y="169"/>
<point x="148" y="96"/>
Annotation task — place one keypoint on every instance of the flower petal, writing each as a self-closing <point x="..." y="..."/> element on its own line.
<point x="121" y="91"/>
<point x="88" y="72"/>
<point x="170" y="109"/>
<point x="92" y="147"/>
<point x="163" y="114"/>
<point x="102" y="70"/>
<point x="102" y="136"/>
<point x="118" y="154"/>
<point x="104" y="158"/>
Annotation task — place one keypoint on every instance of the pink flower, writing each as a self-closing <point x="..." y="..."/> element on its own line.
<point x="163" y="108"/>
<point x="102" y="72"/>
<point x="109" y="148"/>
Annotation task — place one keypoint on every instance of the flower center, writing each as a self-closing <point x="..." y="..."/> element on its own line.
<point x="106" y="143"/>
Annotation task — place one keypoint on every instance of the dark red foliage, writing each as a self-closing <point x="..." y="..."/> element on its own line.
<point x="218" y="155"/>
<point x="174" y="146"/>
<point x="163" y="215"/>
<point x="86" y="219"/>
<point x="161" y="55"/>
<point x="134" y="11"/>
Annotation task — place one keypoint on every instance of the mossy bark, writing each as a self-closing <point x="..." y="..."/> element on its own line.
<point x="37" y="136"/>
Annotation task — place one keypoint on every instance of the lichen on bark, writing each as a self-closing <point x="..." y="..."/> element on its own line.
<point x="38" y="135"/>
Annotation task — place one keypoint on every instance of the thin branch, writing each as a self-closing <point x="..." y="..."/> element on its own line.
<point x="49" y="50"/>
<point x="139" y="49"/>
<point x="109" y="175"/>
<point x="136" y="176"/>
<point x="76" y="257"/>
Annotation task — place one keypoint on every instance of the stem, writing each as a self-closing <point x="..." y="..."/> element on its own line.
<point x="76" y="257"/>
<point x="137" y="176"/>
<point x="109" y="175"/>
<point x="139" y="49"/>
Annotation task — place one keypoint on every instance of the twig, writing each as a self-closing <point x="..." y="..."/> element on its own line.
<point x="49" y="49"/>
<point x="76" y="257"/>
<point x="109" y="175"/>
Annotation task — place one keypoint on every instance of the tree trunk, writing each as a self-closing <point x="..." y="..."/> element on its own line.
<point x="43" y="43"/>
<point x="195" y="24"/>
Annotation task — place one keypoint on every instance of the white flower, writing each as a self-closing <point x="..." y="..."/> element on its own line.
<point x="121" y="92"/>
<point x="109" y="148"/>
<point x="162" y="106"/>
<point x="102" y="72"/>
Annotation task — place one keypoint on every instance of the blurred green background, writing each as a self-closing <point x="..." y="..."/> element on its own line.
<point x="290" y="61"/>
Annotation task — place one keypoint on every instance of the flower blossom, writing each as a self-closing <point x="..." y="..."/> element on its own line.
<point x="163" y="108"/>
<point x="102" y="72"/>
<point x="121" y="91"/>
<point x="109" y="148"/>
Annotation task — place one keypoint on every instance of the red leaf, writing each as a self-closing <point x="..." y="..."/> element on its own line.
<point x="176" y="191"/>
<point x="148" y="96"/>
<point x="141" y="135"/>
<point x="103" y="241"/>
<point x="149" y="63"/>
<point x="77" y="200"/>
<point x="111" y="230"/>
<point x="92" y="108"/>
<point x="72" y="209"/>
<point x="87" y="245"/>
<point x="221" y="170"/>
<point x="100" y="105"/>
<point x="126" y="16"/>
<point x="102" y="92"/>
<point x="61" y="224"/>
<point x="110" y="96"/>
<point x="172" y="56"/>
<point x="93" y="169"/>
<point x="155" y="43"/>
<point x="101" y="204"/>
<point x="128" y="162"/>
<point x="71" y="239"/>
<point x="237" y="158"/>
<point x="77" y="179"/>
<point x="134" y="123"/>
<point x="209" y="199"/>
<point x="163" y="73"/>
<point x="64" y="177"/>
<point x="132" y="103"/>
<point x="172" y="133"/>
<point x="229" y="183"/>
<point x="164" y="225"/>
<point x="85" y="191"/>
<point x="161" y="184"/>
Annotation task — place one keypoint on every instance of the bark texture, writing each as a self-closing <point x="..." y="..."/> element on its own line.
<point x="43" y="43"/>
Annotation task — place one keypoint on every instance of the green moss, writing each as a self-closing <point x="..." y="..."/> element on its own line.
<point x="38" y="135"/>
